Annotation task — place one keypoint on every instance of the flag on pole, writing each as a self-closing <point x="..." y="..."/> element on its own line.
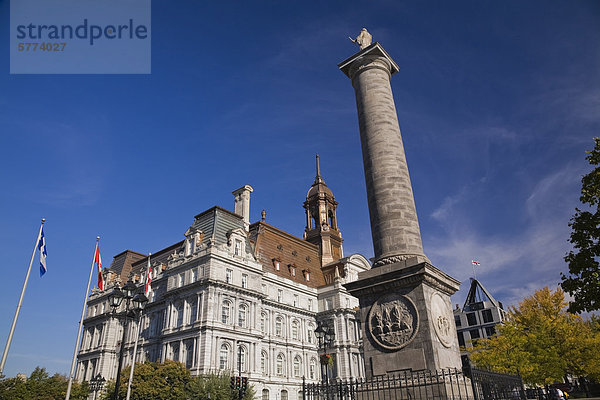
<point x="475" y="262"/>
<point x="42" y="249"/>
<point x="98" y="262"/>
<point x="148" y="277"/>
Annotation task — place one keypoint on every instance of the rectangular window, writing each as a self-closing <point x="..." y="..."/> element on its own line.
<point x="487" y="316"/>
<point x="457" y="320"/>
<point x="474" y="334"/>
<point x="328" y="304"/>
<point x="461" y="339"/>
<point x="229" y="275"/>
<point x="238" y="248"/>
<point x="194" y="275"/>
<point x="244" y="281"/>
<point x="280" y="295"/>
<point x="296" y="301"/>
<point x="99" y="336"/>
<point x="309" y="304"/>
<point x="490" y="331"/>
<point x="181" y="279"/>
<point x="472" y="319"/>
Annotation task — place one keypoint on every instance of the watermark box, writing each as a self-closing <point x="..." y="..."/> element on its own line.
<point x="80" y="37"/>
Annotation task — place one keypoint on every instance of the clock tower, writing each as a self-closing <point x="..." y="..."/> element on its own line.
<point x="321" y="220"/>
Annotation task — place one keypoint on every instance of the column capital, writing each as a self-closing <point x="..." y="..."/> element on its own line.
<point x="369" y="54"/>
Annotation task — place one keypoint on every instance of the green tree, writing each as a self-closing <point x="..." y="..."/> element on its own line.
<point x="41" y="386"/>
<point x="541" y="341"/>
<point x="583" y="281"/>
<point x="172" y="381"/>
<point x="157" y="381"/>
<point x="218" y="386"/>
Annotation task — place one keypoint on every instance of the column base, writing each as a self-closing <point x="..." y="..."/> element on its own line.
<point x="406" y="315"/>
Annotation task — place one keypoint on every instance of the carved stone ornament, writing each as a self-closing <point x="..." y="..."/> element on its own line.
<point x="441" y="320"/>
<point x="393" y="321"/>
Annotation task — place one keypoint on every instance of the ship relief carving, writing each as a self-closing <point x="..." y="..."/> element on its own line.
<point x="393" y="321"/>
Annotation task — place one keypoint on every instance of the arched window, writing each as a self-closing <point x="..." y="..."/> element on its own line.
<point x="189" y="354"/>
<point x="242" y="315"/>
<point x="297" y="366"/>
<point x="264" y="362"/>
<point x="312" y="372"/>
<point x="193" y="310"/>
<point x="284" y="394"/>
<point x="224" y="356"/>
<point x="295" y="329"/>
<point x="175" y="351"/>
<point x="180" y="309"/>
<point x="226" y="312"/>
<point x="242" y="358"/>
<point x="278" y="326"/>
<point x="279" y="364"/>
<point x="265" y="394"/>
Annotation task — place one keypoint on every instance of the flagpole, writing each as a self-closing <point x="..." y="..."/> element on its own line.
<point x="14" y="323"/>
<point x="134" y="354"/>
<point x="87" y="294"/>
<point x="137" y="338"/>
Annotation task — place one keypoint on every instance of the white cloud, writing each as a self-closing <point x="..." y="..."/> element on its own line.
<point x="512" y="267"/>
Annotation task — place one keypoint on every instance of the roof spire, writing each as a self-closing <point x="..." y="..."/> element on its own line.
<point x="318" y="178"/>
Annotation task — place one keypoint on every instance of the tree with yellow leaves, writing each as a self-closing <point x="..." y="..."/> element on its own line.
<point x="542" y="342"/>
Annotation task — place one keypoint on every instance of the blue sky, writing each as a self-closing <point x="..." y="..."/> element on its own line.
<point x="497" y="103"/>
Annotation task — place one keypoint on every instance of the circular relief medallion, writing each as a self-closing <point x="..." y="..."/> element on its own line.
<point x="393" y="321"/>
<point x="441" y="320"/>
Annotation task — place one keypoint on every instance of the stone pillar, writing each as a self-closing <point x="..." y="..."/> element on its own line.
<point x="394" y="223"/>
<point x="406" y="313"/>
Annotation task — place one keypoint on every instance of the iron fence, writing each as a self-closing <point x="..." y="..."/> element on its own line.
<point x="447" y="384"/>
<point x="489" y="385"/>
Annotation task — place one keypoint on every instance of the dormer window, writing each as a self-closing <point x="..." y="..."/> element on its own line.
<point x="306" y="274"/>
<point x="292" y="269"/>
<point x="276" y="264"/>
<point x="237" y="250"/>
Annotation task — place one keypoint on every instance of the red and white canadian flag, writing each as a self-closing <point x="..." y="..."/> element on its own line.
<point x="475" y="262"/>
<point x="98" y="262"/>
<point x="148" y="277"/>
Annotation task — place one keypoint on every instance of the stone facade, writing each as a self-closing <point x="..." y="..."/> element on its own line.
<point x="231" y="287"/>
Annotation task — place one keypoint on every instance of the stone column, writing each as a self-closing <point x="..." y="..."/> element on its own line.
<point x="406" y="312"/>
<point x="394" y="223"/>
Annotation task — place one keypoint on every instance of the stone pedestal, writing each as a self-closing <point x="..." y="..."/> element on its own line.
<point x="406" y="312"/>
<point x="406" y="316"/>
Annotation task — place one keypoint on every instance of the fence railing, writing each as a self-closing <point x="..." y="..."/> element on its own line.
<point x="446" y="384"/>
<point x="489" y="385"/>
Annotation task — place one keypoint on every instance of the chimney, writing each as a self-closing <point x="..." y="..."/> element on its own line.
<point x="241" y="203"/>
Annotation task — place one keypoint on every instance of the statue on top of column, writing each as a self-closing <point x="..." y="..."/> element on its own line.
<point x="364" y="39"/>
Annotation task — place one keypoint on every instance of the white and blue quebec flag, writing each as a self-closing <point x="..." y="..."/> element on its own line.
<point x="42" y="249"/>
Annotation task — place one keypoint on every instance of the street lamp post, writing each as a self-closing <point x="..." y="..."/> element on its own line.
<point x="96" y="384"/>
<point x="137" y="303"/>
<point x="326" y="337"/>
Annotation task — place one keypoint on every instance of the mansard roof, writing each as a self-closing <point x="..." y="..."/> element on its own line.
<point x="271" y="243"/>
